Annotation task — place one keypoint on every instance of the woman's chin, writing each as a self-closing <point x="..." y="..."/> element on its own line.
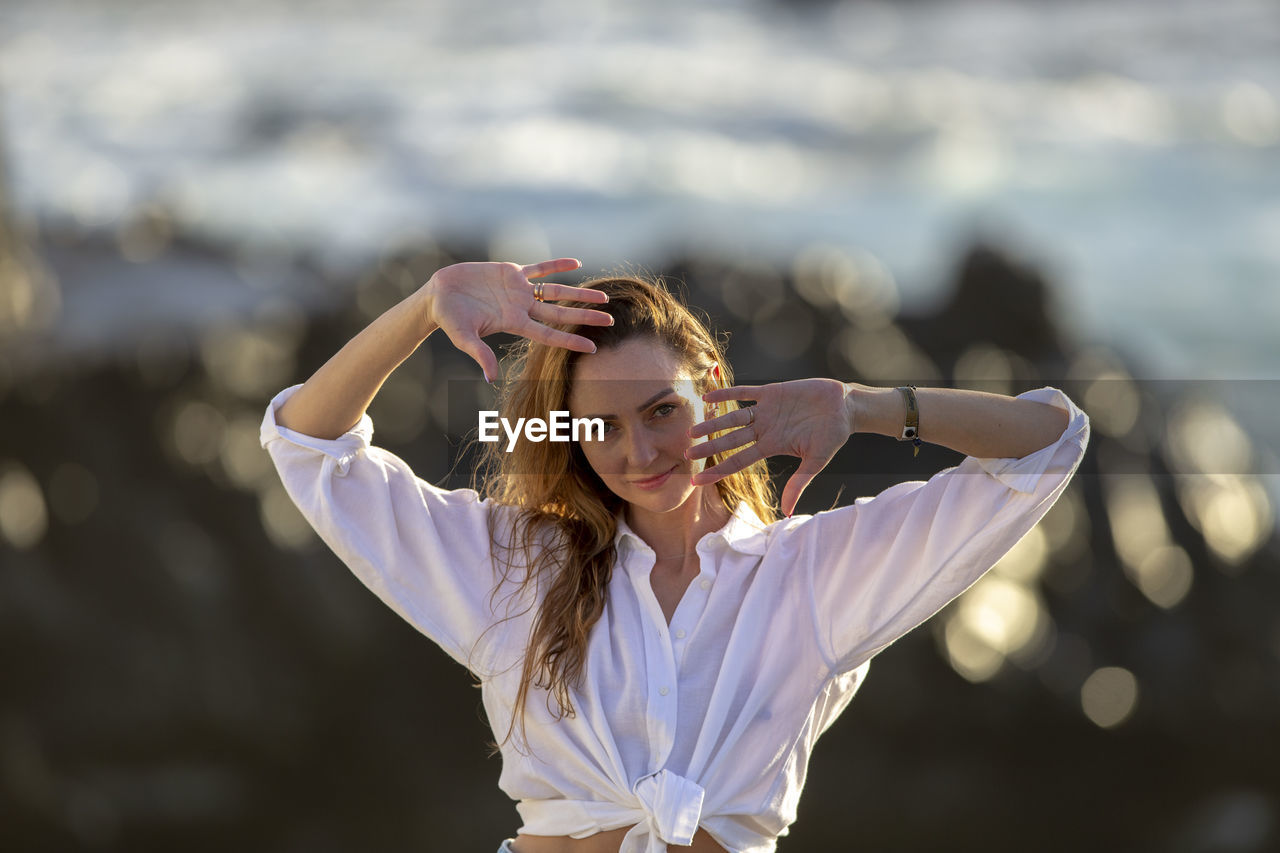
<point x="668" y="502"/>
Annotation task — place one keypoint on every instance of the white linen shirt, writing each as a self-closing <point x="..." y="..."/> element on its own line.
<point x="709" y="721"/>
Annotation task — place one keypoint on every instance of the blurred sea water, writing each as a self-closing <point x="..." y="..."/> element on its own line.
<point x="1131" y="147"/>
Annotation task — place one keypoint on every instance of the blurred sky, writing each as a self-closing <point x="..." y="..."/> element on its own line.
<point x="1129" y="146"/>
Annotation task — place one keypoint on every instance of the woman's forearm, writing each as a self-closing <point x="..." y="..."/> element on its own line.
<point x="333" y="400"/>
<point x="975" y="423"/>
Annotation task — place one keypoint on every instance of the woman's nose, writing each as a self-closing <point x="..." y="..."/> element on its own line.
<point x="642" y="450"/>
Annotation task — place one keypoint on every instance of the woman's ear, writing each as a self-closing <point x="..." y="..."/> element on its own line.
<point x="710" y="410"/>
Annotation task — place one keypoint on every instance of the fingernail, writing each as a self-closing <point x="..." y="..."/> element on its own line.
<point x="593" y="347"/>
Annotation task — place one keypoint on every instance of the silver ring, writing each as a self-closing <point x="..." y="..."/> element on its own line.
<point x="752" y="411"/>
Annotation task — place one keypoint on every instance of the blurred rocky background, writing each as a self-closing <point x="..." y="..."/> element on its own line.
<point x="199" y="205"/>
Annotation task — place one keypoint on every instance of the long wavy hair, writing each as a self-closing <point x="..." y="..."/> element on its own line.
<point x="556" y="491"/>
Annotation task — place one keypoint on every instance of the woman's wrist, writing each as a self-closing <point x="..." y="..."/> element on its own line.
<point x="422" y="302"/>
<point x="876" y="410"/>
<point x="974" y="423"/>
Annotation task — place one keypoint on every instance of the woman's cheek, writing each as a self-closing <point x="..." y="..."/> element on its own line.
<point x="607" y="460"/>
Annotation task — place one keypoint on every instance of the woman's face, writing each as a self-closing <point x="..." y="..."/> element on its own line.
<point x="648" y="403"/>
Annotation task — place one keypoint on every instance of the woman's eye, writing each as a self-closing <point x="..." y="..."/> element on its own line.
<point x="660" y="411"/>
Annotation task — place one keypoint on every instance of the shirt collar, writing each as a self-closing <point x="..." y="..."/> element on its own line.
<point x="744" y="532"/>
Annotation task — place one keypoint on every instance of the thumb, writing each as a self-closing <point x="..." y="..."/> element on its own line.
<point x="471" y="344"/>
<point x="797" y="483"/>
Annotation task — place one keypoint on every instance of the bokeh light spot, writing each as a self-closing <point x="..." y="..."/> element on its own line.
<point x="1066" y="526"/>
<point x="985" y="367"/>
<point x="968" y="655"/>
<point x="885" y="355"/>
<point x="23" y="516"/>
<point x="1109" y="696"/>
<point x="1113" y="403"/>
<point x="281" y="520"/>
<point x="997" y="618"/>
<point x="1203" y="438"/>
<point x="1250" y="114"/>
<point x="248" y="362"/>
<point x="1026" y="560"/>
<point x="1137" y="519"/>
<point x="1233" y="512"/>
<point x="1164" y="576"/>
<point x="199" y="431"/>
<point x="246" y="464"/>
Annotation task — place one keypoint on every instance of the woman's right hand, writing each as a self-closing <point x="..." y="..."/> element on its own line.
<point x="472" y="300"/>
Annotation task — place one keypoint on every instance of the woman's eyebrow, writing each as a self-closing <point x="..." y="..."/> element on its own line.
<point x="640" y="408"/>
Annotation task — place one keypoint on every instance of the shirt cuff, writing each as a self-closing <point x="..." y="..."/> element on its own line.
<point x="1022" y="474"/>
<point x="342" y="449"/>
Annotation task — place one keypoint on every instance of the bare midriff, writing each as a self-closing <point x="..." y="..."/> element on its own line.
<point x="603" y="842"/>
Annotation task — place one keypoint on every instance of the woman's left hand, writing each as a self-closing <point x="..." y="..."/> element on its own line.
<point x="808" y="418"/>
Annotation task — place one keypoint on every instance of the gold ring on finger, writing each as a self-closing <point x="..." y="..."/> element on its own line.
<point x="537" y="291"/>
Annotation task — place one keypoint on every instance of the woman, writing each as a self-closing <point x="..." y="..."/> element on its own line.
<point x="659" y="647"/>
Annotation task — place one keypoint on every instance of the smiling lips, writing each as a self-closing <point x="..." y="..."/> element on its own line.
<point x="653" y="482"/>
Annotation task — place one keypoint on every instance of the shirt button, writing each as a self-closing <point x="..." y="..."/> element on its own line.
<point x="705" y="583"/>
<point x="664" y="690"/>
<point x="679" y="633"/>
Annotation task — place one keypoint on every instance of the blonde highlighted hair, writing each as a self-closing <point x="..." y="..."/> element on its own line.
<point x="554" y="487"/>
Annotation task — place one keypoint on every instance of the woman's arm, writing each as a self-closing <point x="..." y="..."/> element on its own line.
<point x="975" y="423"/>
<point x="423" y="550"/>
<point x="333" y="400"/>
<point x="874" y="570"/>
<point x="468" y="301"/>
<point x="813" y="418"/>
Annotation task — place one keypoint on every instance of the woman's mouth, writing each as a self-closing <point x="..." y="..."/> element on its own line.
<point x="654" y="482"/>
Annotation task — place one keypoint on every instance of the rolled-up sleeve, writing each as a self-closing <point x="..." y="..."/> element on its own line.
<point x="874" y="570"/>
<point x="423" y="550"/>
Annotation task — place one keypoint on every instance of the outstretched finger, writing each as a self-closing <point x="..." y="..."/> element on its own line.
<point x="565" y="292"/>
<point x="797" y="483"/>
<point x="555" y="337"/>
<point x="563" y="316"/>
<point x="736" y="418"/>
<point x="732" y="465"/>
<point x="728" y="441"/>
<point x="733" y="392"/>
<point x="473" y="346"/>
<point x="550" y="267"/>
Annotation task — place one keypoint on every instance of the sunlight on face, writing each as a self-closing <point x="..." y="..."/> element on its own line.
<point x="648" y="403"/>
